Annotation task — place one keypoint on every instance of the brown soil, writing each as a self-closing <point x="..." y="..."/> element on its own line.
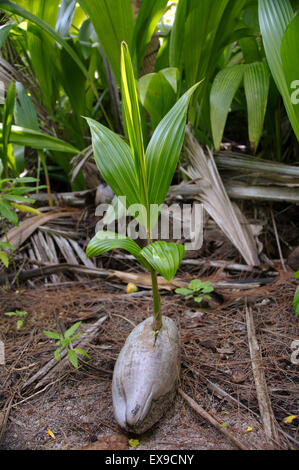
<point x="75" y="405"/>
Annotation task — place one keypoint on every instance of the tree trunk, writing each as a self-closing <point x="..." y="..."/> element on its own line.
<point x="152" y="48"/>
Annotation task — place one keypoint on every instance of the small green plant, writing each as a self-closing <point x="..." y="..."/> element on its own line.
<point x="197" y="290"/>
<point x="13" y="197"/>
<point x="64" y="341"/>
<point x="19" y="314"/>
<point x="296" y="296"/>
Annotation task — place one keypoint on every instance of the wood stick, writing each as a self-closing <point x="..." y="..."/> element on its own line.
<point x="204" y="414"/>
<point x="264" y="402"/>
<point x="278" y="242"/>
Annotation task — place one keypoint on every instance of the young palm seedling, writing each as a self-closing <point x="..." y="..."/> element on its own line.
<point x="146" y="371"/>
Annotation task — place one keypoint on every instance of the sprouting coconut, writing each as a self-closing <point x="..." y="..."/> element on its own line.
<point x="146" y="372"/>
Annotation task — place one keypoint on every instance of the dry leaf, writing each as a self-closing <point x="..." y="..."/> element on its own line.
<point x="131" y="287"/>
<point x="289" y="419"/>
<point x="50" y="433"/>
<point x="249" y="429"/>
<point x="216" y="201"/>
<point x="134" y="442"/>
<point x="17" y="235"/>
<point x="238" y="377"/>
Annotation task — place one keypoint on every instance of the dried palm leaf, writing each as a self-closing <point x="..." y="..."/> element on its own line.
<point x="213" y="195"/>
<point x="17" y="235"/>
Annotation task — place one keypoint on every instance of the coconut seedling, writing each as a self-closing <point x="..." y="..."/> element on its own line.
<point x="147" y="369"/>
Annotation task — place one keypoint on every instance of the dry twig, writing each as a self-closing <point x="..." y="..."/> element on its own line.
<point x="260" y="381"/>
<point x="204" y="414"/>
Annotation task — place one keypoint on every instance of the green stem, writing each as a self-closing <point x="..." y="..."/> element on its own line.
<point x="157" y="323"/>
<point x="44" y="163"/>
<point x="12" y="257"/>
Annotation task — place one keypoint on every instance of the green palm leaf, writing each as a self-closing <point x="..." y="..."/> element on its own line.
<point x="132" y="120"/>
<point x="158" y="93"/>
<point x="274" y="18"/>
<point x="37" y="140"/>
<point x="105" y="241"/>
<point x="113" y="22"/>
<point x="289" y="58"/>
<point x="45" y="27"/>
<point x="148" y="16"/>
<point x="164" y="149"/>
<point x="256" y="85"/>
<point x="164" y="257"/>
<point x="115" y="162"/>
<point x="224" y="87"/>
<point x="7" y="124"/>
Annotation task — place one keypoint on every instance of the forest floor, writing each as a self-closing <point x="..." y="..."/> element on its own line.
<point x="45" y="404"/>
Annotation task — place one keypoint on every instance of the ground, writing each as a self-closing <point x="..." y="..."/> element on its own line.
<point x="72" y="408"/>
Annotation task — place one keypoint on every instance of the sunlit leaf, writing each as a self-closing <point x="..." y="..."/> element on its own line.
<point x="37" y="140"/>
<point x="113" y="22"/>
<point x="4" y="258"/>
<point x="24" y="208"/>
<point x="132" y="119"/>
<point x="148" y="16"/>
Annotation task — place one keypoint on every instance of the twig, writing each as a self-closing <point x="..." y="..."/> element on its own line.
<point x="124" y="318"/>
<point x="204" y="414"/>
<point x="7" y="411"/>
<point x="264" y="402"/>
<point x="222" y="393"/>
<point x="278" y="242"/>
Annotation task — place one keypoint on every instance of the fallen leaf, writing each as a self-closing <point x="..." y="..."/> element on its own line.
<point x="131" y="287"/>
<point x="289" y="419"/>
<point x="134" y="442"/>
<point x="249" y="429"/>
<point x="50" y="433"/>
<point x="238" y="377"/>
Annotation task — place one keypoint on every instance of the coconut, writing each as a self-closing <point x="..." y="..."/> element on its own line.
<point x="145" y="376"/>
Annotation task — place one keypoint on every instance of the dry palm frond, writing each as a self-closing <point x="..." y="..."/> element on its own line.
<point x="17" y="235"/>
<point x="216" y="201"/>
<point x="79" y="160"/>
